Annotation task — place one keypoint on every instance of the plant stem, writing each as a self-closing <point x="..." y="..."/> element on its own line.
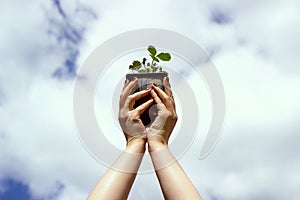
<point x="152" y="63"/>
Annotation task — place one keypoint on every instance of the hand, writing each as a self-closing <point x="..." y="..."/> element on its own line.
<point x="162" y="127"/>
<point x="129" y="118"/>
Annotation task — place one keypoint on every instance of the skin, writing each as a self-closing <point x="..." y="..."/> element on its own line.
<point x="116" y="184"/>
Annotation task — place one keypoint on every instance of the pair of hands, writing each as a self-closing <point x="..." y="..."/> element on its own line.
<point x="133" y="128"/>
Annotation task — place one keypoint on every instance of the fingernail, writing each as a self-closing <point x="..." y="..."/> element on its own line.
<point x="135" y="78"/>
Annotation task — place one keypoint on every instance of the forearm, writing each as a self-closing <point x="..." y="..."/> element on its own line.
<point x="174" y="182"/>
<point x="117" y="181"/>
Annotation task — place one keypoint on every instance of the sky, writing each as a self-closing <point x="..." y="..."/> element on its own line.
<point x="254" y="45"/>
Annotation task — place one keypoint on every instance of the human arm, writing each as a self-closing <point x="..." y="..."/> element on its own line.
<point x="174" y="183"/>
<point x="116" y="183"/>
<point x="118" y="180"/>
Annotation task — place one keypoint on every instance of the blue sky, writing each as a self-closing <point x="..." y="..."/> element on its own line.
<point x="15" y="190"/>
<point x="254" y="44"/>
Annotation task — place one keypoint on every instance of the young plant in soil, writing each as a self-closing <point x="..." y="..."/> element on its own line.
<point x="148" y="72"/>
<point x="150" y="67"/>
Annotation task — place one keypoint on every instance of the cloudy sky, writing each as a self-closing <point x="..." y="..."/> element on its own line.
<point x="254" y="45"/>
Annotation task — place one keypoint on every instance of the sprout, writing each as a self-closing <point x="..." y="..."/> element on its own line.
<point x="150" y="66"/>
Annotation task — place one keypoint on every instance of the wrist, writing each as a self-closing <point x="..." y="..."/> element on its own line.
<point x="136" y="146"/>
<point x="156" y="145"/>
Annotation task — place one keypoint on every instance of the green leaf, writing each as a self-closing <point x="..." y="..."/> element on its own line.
<point x="130" y="66"/>
<point x="154" y="58"/>
<point x="152" y="50"/>
<point x="142" y="71"/>
<point x="153" y="69"/>
<point x="164" y="56"/>
<point x="136" y="63"/>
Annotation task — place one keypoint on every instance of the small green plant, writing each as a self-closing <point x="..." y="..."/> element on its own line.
<point x="149" y="67"/>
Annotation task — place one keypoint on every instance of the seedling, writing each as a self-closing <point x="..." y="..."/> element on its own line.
<point x="148" y="73"/>
<point x="150" y="67"/>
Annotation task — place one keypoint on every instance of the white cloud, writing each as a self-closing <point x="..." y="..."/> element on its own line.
<point x="272" y="29"/>
<point x="256" y="55"/>
<point x="39" y="145"/>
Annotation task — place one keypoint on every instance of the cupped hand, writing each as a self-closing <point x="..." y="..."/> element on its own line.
<point x="160" y="130"/>
<point x="129" y="117"/>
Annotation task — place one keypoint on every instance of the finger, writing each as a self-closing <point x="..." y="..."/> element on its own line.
<point x="140" y="109"/>
<point x="160" y="105"/>
<point x="167" y="101"/>
<point x="132" y="98"/>
<point x="159" y="92"/>
<point x="167" y="87"/>
<point x="168" y="90"/>
<point x="130" y="85"/>
<point x="125" y="84"/>
<point x="155" y="97"/>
